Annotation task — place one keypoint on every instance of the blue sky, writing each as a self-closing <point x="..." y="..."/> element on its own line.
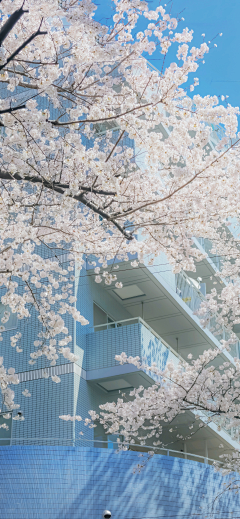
<point x="221" y="72"/>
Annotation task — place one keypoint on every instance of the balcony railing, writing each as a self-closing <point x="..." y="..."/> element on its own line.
<point x="117" y="324"/>
<point x="207" y="245"/>
<point x="135" y="320"/>
<point x="193" y="297"/>
<point x="188" y="291"/>
<point x="73" y="442"/>
<point x="233" y="433"/>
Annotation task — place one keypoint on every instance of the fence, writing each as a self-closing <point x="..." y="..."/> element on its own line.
<point x="193" y="297"/>
<point x="73" y="442"/>
<point x="135" y="320"/>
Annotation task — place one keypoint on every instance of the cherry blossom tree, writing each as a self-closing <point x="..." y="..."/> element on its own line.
<point x="97" y="150"/>
<point x="211" y="393"/>
<point x="196" y="386"/>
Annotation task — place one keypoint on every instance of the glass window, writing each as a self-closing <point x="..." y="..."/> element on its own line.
<point x="101" y="317"/>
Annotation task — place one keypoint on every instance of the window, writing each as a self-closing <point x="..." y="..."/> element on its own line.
<point x="203" y="288"/>
<point x="101" y="317"/>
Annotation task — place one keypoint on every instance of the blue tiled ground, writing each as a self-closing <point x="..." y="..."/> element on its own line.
<point x="74" y="483"/>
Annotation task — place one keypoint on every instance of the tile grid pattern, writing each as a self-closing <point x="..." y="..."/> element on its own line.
<point x="69" y="483"/>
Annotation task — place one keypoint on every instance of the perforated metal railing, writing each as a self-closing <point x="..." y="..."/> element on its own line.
<point x="233" y="432"/>
<point x="207" y="245"/>
<point x="135" y="320"/>
<point x="193" y="297"/>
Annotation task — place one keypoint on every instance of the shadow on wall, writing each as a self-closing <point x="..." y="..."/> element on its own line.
<point x="134" y="339"/>
<point x="153" y="350"/>
<point x="63" y="483"/>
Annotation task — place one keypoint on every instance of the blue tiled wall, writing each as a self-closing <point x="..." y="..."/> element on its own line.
<point x="86" y="397"/>
<point x="42" y="410"/>
<point x="88" y="292"/>
<point x="102" y="346"/>
<point x="73" y="395"/>
<point x="85" y="307"/>
<point x="29" y="328"/>
<point x="74" y="483"/>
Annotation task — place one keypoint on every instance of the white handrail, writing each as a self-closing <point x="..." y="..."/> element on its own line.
<point x="109" y="442"/>
<point x="116" y="322"/>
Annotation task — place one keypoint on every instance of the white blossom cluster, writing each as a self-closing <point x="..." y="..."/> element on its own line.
<point x="26" y="392"/>
<point x="68" y="417"/>
<point x="56" y="379"/>
<point x="19" y="418"/>
<point x="67" y="354"/>
<point x="8" y="377"/>
<point x="4" y="426"/>
<point x="14" y="339"/>
<point x="197" y="386"/>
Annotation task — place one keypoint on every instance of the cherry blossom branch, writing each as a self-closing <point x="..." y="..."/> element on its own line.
<point x="104" y="215"/>
<point x="10" y="110"/>
<point x="81" y="121"/>
<point x="60" y="188"/>
<point x="115" y="145"/>
<point x="11" y="21"/>
<point x="170" y="195"/>
<point x="55" y="186"/>
<point x="16" y="52"/>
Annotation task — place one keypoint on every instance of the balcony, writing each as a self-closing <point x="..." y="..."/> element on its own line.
<point x="133" y="336"/>
<point x="136" y="338"/>
<point x="109" y="443"/>
<point x="191" y="295"/>
<point x="207" y="246"/>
